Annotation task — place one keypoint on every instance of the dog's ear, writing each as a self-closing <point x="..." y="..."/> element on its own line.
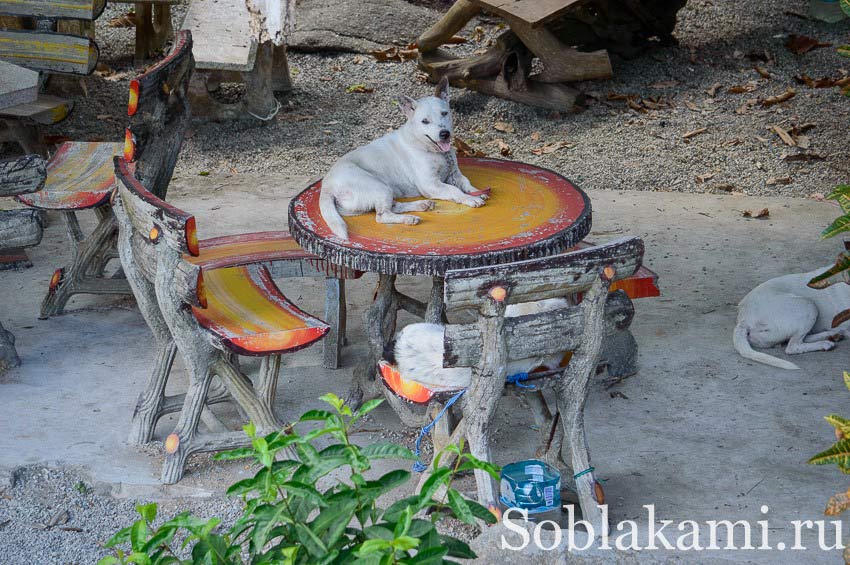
<point x="442" y="90"/>
<point x="407" y="105"/>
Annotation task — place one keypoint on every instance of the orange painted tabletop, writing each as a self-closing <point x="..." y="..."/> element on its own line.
<point x="532" y="212"/>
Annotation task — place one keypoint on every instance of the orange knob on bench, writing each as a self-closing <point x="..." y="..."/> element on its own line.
<point x="172" y="442"/>
<point x="133" y="104"/>
<point x="201" y="290"/>
<point x="153" y="235"/>
<point x="129" y="146"/>
<point x="498" y="293"/>
<point x="192" y="237"/>
<point x="609" y="272"/>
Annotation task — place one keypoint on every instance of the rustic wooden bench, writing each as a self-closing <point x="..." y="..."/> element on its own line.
<point x="18" y="228"/>
<point x="235" y="43"/>
<point x="212" y="315"/>
<point x="487" y="344"/>
<point x="47" y="49"/>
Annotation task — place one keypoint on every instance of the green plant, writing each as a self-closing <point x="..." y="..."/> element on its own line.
<point x="288" y="520"/>
<point x="840" y="272"/>
<point x="82" y="487"/>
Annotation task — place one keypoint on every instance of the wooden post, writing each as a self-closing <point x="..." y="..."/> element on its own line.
<point x="335" y="314"/>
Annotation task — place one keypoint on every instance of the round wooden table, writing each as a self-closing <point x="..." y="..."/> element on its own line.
<point x="532" y="212"/>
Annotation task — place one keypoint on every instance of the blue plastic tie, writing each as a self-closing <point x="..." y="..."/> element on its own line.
<point x="517" y="380"/>
<point x="418" y="466"/>
<point x="586" y="471"/>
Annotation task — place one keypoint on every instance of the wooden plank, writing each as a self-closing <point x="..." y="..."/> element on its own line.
<point x="221" y="35"/>
<point x="17" y="85"/>
<point x="47" y="110"/>
<point x="51" y="52"/>
<point x="88" y="10"/>
<point x="22" y="175"/>
<point x="534" y="12"/>
<point x="534" y="335"/>
<point x="538" y="279"/>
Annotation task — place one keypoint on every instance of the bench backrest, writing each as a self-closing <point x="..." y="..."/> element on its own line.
<point x="490" y="289"/>
<point x="159" y="115"/>
<point x="40" y="47"/>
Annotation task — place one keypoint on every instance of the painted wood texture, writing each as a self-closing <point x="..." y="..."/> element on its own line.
<point x="46" y="110"/>
<point x="642" y="284"/>
<point x="19" y="228"/>
<point x="534" y="12"/>
<point x="222" y="34"/>
<point x="17" y="85"/>
<point x="251" y="316"/>
<point x="22" y="175"/>
<point x="71" y="9"/>
<point x="538" y="279"/>
<point x="80" y="175"/>
<point x="52" y="52"/>
<point x="532" y="212"/>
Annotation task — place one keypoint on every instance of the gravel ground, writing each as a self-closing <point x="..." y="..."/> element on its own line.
<point x="607" y="145"/>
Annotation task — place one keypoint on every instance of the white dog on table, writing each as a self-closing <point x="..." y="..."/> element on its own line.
<point x="415" y="160"/>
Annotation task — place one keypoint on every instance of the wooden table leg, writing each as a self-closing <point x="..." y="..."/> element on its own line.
<point x="153" y="28"/>
<point x="435" y="313"/>
<point x="379" y="321"/>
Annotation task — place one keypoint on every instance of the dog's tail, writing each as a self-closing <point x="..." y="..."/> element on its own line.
<point x="740" y="338"/>
<point x="327" y="205"/>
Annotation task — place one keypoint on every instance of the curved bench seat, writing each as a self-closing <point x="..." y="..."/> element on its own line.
<point x="261" y="247"/>
<point x="250" y="315"/>
<point x="80" y="175"/>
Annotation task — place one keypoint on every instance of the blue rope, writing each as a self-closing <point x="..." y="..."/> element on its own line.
<point x="418" y="466"/>
<point x="517" y="380"/>
<point x="586" y="471"/>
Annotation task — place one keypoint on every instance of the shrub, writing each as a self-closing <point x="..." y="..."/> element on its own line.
<point x="287" y="520"/>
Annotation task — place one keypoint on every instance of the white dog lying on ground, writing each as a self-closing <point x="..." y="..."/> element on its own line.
<point x="418" y="351"/>
<point x="785" y="309"/>
<point x="415" y="160"/>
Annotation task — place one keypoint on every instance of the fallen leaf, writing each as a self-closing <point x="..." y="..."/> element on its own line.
<point x="535" y="136"/>
<point x="803" y="158"/>
<point x="60" y="517"/>
<point x="395" y="54"/>
<point x="778" y="180"/>
<point x="702" y="178"/>
<point x="744" y="88"/>
<point x="463" y="149"/>
<point x="691" y="106"/>
<point x="694" y="133"/>
<point x="762" y="72"/>
<point x="784" y="136"/>
<point x="204" y="174"/>
<point x="124" y="20"/>
<point x="803" y="141"/>
<point x="722" y="187"/>
<point x="801" y="129"/>
<point x="478" y="34"/>
<point x="503" y="127"/>
<point x="712" y="90"/>
<point x="779" y="98"/>
<point x="661" y="85"/>
<point x="732" y="142"/>
<point x="358" y="59"/>
<point x="552" y="147"/>
<point x="760" y="215"/>
<point x="504" y="148"/>
<point x="800" y="44"/>
<point x="359" y="89"/>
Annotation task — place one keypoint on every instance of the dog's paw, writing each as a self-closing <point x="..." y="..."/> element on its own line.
<point x="411" y="220"/>
<point x="473" y="202"/>
<point x="426" y="205"/>
<point x="828" y="346"/>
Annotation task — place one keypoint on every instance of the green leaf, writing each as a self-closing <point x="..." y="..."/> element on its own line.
<point x="844" y="50"/>
<point x="139" y="558"/>
<point x="437" y="478"/>
<point x="839" y="454"/>
<point x="386" y="450"/>
<point x="481" y="512"/>
<point x="162" y="537"/>
<point x="840" y="190"/>
<point x="267" y="518"/>
<point x="315" y="415"/>
<point x="331" y="522"/>
<point x="333" y="400"/>
<point x="840" y="225"/>
<point x="108" y="560"/>
<point x="138" y="535"/>
<point x="403" y="524"/>
<point x="430" y="556"/>
<point x="839" y="423"/>
<point x="251" y="484"/>
<point x="310" y="541"/>
<point x="847" y="380"/>
<point x="121" y="536"/>
<point x="404" y="543"/>
<point x="147" y="511"/>
<point x="373" y="546"/>
<point x="305" y="491"/>
<point x="393" y="513"/>
<point x="838" y="273"/>
<point x="240" y="453"/>
<point x="367" y="407"/>
<point x="321" y="467"/>
<point x="250" y="429"/>
<point x="457" y="548"/>
<point x="378" y="532"/>
<point x="459" y="507"/>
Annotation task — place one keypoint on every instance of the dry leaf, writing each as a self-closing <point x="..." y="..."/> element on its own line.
<point x="762" y="214"/>
<point x="359" y="89"/>
<point x="661" y="85"/>
<point x="838" y="504"/>
<point x="762" y="72"/>
<point x="691" y="106"/>
<point x="744" y="88"/>
<point x="478" y="34"/>
<point x="732" y="142"/>
<point x="723" y="187"/>
<point x="504" y="148"/>
<point x="778" y="99"/>
<point x="783" y="135"/>
<point x="800" y="44"/>
<point x="802" y="158"/>
<point x="358" y="59"/>
<point x="712" y="91"/>
<point x="702" y="178"/>
<point x="778" y="180"/>
<point x="455" y="40"/>
<point x="535" y="136"/>
<point x="694" y="133"/>
<point x="395" y="54"/>
<point x="503" y="127"/>
<point x="124" y="20"/>
<point x="552" y="147"/>
<point x="803" y="141"/>
<point x="463" y="149"/>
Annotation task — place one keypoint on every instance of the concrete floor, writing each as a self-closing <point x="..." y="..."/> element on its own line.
<point x="700" y="432"/>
